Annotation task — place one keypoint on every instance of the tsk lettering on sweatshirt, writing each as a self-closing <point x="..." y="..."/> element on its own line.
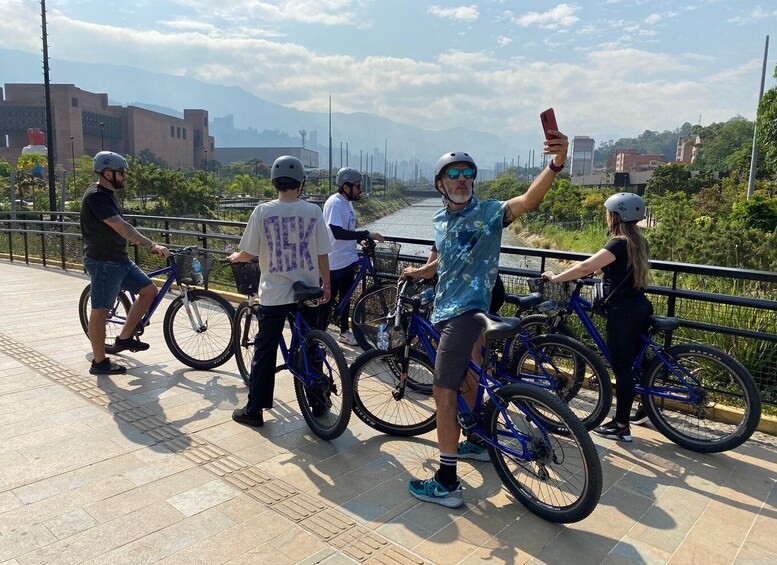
<point x="288" y="239"/>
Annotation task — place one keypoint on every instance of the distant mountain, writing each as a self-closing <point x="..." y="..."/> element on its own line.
<point x="258" y="122"/>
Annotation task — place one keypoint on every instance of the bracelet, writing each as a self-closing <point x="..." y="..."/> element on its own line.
<point x="552" y="166"/>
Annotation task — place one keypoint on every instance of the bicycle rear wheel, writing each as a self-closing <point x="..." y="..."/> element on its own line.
<point x="327" y="402"/>
<point x="370" y="312"/>
<point x="243" y="337"/>
<point x="723" y="407"/>
<point x="380" y="402"/>
<point x="578" y="375"/>
<point x="116" y="316"/>
<point x="557" y="476"/>
<point x="202" y="347"/>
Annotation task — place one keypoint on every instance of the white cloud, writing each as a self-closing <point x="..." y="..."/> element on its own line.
<point x="326" y="12"/>
<point x="503" y="41"/>
<point x="653" y="19"/>
<point x="469" y="13"/>
<point x="562" y="15"/>
<point x="756" y="15"/>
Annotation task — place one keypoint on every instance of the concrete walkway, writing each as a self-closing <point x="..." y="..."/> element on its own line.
<point x="149" y="467"/>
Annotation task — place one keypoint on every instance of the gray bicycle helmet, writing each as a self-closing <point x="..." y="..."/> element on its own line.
<point x="288" y="166"/>
<point x="109" y="160"/>
<point x="629" y="206"/>
<point x="348" y="175"/>
<point x="449" y="159"/>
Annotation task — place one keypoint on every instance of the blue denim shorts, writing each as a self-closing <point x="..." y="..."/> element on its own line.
<point x="110" y="277"/>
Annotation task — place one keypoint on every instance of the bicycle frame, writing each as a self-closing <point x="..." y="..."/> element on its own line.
<point x="365" y="266"/>
<point x="468" y="418"/>
<point x="580" y="307"/>
<point x="171" y="271"/>
<point x="299" y="327"/>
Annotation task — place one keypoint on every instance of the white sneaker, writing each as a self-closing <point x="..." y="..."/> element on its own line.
<point x="347" y="338"/>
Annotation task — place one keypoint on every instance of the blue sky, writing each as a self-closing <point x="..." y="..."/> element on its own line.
<point x="609" y="67"/>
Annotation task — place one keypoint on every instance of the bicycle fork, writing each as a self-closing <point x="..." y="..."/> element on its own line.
<point x="193" y="311"/>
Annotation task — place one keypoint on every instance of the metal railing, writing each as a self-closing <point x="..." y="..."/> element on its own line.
<point x="737" y="311"/>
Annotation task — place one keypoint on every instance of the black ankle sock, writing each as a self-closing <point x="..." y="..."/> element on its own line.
<point x="446" y="476"/>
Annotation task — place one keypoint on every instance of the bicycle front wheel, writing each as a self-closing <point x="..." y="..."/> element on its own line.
<point x="723" y="406"/>
<point x="327" y="400"/>
<point x="380" y="400"/>
<point x="200" y="346"/>
<point x="243" y="337"/>
<point x="116" y="316"/>
<point x="556" y="475"/>
<point x="571" y="370"/>
<point x="370" y="312"/>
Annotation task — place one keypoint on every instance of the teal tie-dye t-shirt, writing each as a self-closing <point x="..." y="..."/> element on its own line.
<point x="468" y="244"/>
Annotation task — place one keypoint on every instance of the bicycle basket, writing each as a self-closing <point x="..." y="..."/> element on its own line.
<point x="191" y="271"/>
<point x="246" y="277"/>
<point x="387" y="257"/>
<point x="560" y="293"/>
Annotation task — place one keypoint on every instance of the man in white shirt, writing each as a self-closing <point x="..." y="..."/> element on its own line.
<point x="291" y="240"/>
<point x="340" y="218"/>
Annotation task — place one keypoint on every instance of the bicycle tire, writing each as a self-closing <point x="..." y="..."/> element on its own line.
<point x="122" y="306"/>
<point x="243" y="337"/>
<point x="562" y="479"/>
<point x="326" y="415"/>
<point x="728" y="408"/>
<point x="539" y="324"/>
<point x="205" y="349"/>
<point x="369" y="311"/>
<point x="584" y="382"/>
<point x="375" y="375"/>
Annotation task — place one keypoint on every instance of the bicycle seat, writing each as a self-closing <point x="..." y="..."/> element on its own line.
<point x="664" y="323"/>
<point x="524" y="301"/>
<point x="496" y="327"/>
<point x="305" y="292"/>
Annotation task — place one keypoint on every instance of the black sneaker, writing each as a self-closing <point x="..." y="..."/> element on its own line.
<point x="639" y="417"/>
<point x="131" y="343"/>
<point x="241" y="416"/>
<point x="106" y="367"/>
<point x="611" y="430"/>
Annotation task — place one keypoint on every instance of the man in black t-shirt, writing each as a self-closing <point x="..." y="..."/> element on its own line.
<point x="110" y="269"/>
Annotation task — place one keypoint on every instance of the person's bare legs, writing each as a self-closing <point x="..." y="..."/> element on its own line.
<point x="97" y="319"/>
<point x="139" y="308"/>
<point x="447" y="425"/>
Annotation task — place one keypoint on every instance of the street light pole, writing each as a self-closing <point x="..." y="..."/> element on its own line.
<point x="102" y="137"/>
<point x="73" y="155"/>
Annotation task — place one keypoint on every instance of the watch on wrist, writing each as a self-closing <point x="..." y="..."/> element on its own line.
<point x="552" y="166"/>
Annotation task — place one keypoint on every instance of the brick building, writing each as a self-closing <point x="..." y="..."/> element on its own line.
<point x="94" y="124"/>
<point x="629" y="161"/>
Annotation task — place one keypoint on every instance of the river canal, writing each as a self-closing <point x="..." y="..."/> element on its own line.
<point x="416" y="222"/>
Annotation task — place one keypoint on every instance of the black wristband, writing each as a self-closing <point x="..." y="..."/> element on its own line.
<point x="554" y="168"/>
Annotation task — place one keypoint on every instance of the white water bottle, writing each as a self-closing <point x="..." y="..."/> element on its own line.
<point x="383" y="337"/>
<point x="197" y="271"/>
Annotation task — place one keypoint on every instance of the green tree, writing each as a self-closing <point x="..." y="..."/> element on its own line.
<point x="758" y="212"/>
<point x="767" y="129"/>
<point x="719" y="141"/>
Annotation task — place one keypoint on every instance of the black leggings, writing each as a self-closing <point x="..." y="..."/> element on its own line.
<point x="341" y="280"/>
<point x="625" y="321"/>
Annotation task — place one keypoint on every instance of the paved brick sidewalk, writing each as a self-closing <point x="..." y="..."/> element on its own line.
<point x="149" y="467"/>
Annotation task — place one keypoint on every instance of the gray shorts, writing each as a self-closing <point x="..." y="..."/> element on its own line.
<point x="457" y="337"/>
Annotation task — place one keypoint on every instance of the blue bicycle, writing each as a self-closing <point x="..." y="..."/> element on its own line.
<point x="697" y="396"/>
<point x="198" y="322"/>
<point x="321" y="380"/>
<point x="539" y="448"/>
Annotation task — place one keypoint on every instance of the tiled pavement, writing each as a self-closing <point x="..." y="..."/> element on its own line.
<point x="148" y="467"/>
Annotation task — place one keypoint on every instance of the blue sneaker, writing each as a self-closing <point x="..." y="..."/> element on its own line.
<point x="432" y="491"/>
<point x="469" y="450"/>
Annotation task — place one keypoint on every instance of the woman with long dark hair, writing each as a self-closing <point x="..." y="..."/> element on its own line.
<point x="625" y="263"/>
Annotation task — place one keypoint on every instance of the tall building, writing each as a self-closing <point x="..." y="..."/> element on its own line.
<point x="686" y="149"/>
<point x="85" y="123"/>
<point x="582" y="156"/>
<point x="629" y="161"/>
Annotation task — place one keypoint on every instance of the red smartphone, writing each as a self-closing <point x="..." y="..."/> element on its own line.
<point x="548" y="119"/>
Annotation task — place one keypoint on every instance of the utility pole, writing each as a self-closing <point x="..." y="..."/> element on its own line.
<point x="49" y="121"/>
<point x="330" y="144"/>
<point x="754" y="154"/>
